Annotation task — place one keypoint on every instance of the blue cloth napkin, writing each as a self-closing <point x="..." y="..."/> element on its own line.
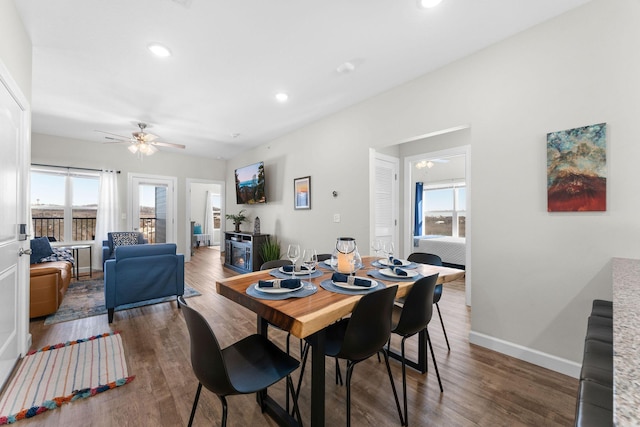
<point x="352" y="280"/>
<point x="399" y="271"/>
<point x="290" y="268"/>
<point x="280" y="283"/>
<point x="395" y="261"/>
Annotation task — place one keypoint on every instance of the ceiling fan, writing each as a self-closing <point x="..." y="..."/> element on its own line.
<point x="141" y="143"/>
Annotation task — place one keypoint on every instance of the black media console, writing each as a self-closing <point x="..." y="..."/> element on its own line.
<point x="242" y="251"/>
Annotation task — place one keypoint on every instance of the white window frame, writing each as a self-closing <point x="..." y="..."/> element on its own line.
<point x="68" y="198"/>
<point x="455" y="214"/>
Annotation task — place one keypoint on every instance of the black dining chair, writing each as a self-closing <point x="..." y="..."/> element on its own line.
<point x="323" y="257"/>
<point x="432" y="259"/>
<point x="248" y="366"/>
<point x="413" y="317"/>
<point x="361" y="336"/>
<point x="275" y="264"/>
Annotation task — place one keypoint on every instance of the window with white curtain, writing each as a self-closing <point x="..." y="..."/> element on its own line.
<point x="64" y="204"/>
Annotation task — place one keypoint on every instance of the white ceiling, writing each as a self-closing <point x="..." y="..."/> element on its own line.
<point x="92" y="70"/>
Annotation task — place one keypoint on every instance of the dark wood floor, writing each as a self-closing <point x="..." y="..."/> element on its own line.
<point x="481" y="387"/>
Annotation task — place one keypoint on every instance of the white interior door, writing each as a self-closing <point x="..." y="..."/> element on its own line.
<point x="386" y="199"/>
<point x="152" y="207"/>
<point x="14" y="192"/>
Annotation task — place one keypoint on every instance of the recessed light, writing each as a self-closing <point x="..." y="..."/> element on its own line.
<point x="282" y="97"/>
<point x="345" y="68"/>
<point x="159" y="50"/>
<point x="427" y="4"/>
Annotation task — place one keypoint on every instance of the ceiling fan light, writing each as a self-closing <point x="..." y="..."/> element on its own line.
<point x="133" y="148"/>
<point x="146" y="149"/>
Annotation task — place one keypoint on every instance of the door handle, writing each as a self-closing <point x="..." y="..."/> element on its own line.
<point x="24" y="252"/>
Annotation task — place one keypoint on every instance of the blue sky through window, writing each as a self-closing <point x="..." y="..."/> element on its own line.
<point x="48" y="189"/>
<point x="439" y="200"/>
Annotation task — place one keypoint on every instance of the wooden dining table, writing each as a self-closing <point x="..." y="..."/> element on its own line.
<point x="308" y="317"/>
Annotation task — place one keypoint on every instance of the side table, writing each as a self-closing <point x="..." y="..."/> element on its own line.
<point x="204" y="239"/>
<point x="76" y="250"/>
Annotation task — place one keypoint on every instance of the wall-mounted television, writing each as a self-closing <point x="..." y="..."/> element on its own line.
<point x="250" y="184"/>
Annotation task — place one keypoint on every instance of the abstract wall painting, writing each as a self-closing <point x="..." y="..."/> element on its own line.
<point x="577" y="169"/>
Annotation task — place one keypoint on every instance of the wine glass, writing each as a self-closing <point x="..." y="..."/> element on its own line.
<point x="309" y="260"/>
<point x="293" y="253"/>
<point x="376" y="245"/>
<point x="356" y="262"/>
<point x="334" y="260"/>
<point x="388" y="250"/>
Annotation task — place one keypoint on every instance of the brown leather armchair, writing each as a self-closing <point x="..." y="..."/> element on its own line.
<point x="48" y="284"/>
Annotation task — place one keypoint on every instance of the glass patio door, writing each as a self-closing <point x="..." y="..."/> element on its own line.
<point x="152" y="207"/>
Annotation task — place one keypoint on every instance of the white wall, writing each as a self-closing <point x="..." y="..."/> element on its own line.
<point x="15" y="47"/>
<point x="59" y="151"/>
<point x="534" y="273"/>
<point x="338" y="165"/>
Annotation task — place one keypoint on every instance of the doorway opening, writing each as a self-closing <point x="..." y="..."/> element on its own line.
<point x="437" y="208"/>
<point x="204" y="212"/>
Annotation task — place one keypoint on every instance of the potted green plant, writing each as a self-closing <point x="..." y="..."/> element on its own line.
<point x="237" y="219"/>
<point x="270" y="250"/>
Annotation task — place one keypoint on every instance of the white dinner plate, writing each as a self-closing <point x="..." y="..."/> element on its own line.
<point x="276" y="290"/>
<point x="389" y="273"/>
<point x="356" y="287"/>
<point x="296" y="273"/>
<point x="328" y="262"/>
<point x="390" y="264"/>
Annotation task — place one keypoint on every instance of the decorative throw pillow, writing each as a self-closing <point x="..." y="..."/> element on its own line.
<point x="40" y="248"/>
<point x="126" y="238"/>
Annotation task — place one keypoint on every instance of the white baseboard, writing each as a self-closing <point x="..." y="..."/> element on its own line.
<point x="563" y="366"/>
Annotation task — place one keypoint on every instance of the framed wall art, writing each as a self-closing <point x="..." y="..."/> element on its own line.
<point x="577" y="169"/>
<point x="302" y="193"/>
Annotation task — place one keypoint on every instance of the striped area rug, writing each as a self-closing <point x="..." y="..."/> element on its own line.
<point x="62" y="373"/>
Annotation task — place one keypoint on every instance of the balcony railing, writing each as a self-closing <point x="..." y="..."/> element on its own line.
<point x="148" y="228"/>
<point x="48" y="227"/>
<point x="82" y="229"/>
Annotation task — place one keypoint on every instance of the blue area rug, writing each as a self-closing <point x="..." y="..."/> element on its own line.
<point x="86" y="298"/>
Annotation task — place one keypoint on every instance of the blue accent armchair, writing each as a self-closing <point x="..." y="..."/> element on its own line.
<point x="142" y="272"/>
<point x="109" y="246"/>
